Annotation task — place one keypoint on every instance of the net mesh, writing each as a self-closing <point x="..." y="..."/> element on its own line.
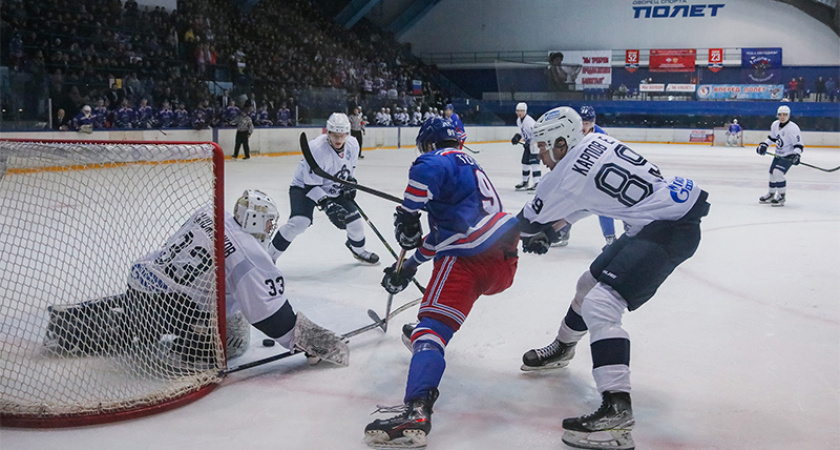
<point x="75" y="219"/>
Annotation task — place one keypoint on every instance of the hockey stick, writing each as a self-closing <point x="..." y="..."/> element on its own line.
<point x="376" y="324"/>
<point x="808" y="165"/>
<point x="387" y="245"/>
<point x="473" y="151"/>
<point x="307" y="154"/>
<point x="376" y="319"/>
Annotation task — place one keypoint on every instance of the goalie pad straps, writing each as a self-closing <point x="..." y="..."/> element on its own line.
<point x="320" y="342"/>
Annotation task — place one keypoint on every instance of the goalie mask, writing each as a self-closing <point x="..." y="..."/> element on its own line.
<point x="562" y="122"/>
<point x="257" y="214"/>
<point x="338" y="127"/>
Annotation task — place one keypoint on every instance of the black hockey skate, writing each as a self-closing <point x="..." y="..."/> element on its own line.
<point x="553" y="356"/>
<point x="778" y="201"/>
<point x="363" y="255"/>
<point x="406" y="430"/>
<point x="522" y="186"/>
<point x="607" y="428"/>
<point x="766" y="198"/>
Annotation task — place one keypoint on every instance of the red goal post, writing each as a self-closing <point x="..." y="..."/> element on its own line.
<point x="75" y="216"/>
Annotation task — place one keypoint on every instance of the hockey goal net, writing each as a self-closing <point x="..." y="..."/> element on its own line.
<point x="722" y="137"/>
<point x="77" y="345"/>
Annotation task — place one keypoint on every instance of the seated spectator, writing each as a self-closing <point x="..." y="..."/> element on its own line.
<point x="60" y="120"/>
<point x="124" y="117"/>
<point x="144" y="115"/>
<point x="101" y="115"/>
<point x="165" y="116"/>
<point x="182" y="117"/>
<point x="199" y="119"/>
<point x="231" y="113"/>
<point x="262" y="119"/>
<point x="284" y="116"/>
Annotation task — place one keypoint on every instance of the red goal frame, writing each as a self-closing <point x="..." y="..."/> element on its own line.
<point x="96" y="418"/>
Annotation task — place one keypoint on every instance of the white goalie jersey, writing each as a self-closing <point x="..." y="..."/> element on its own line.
<point x="601" y="175"/>
<point x="253" y="284"/>
<point x="342" y="165"/>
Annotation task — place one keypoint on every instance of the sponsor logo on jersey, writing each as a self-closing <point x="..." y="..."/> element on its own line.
<point x="681" y="189"/>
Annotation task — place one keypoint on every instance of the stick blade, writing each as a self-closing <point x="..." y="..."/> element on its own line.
<point x="376" y="319"/>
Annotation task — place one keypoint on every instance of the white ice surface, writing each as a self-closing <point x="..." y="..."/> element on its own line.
<point x="739" y="349"/>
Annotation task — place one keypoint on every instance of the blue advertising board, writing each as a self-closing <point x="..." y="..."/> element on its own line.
<point x="740" y="91"/>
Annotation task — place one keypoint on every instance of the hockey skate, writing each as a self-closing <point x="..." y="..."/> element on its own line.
<point x="766" y="198"/>
<point x="363" y="255"/>
<point x="778" y="201"/>
<point x="408" y="429"/>
<point x="319" y="343"/>
<point x="553" y="356"/>
<point x="522" y="186"/>
<point x="562" y="239"/>
<point x="407" y="331"/>
<point x="607" y="428"/>
<point x="532" y="188"/>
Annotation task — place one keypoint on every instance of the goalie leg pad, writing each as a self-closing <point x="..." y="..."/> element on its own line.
<point x="238" y="335"/>
<point x="87" y="328"/>
<point x="320" y="342"/>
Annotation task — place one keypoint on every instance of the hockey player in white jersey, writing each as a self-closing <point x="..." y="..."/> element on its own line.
<point x="170" y="293"/>
<point x="530" y="162"/>
<point x="733" y="134"/>
<point x="597" y="174"/>
<point x="787" y="138"/>
<point x="337" y="153"/>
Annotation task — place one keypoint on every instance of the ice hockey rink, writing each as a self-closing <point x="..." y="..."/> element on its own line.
<point x="739" y="349"/>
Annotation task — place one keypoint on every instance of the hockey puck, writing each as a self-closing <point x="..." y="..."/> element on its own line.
<point x="268" y="342"/>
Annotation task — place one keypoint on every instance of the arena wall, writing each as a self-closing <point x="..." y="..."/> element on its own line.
<point x="286" y="140"/>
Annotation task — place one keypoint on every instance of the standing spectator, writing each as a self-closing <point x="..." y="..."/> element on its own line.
<point x="819" y="87"/>
<point x="357" y="127"/>
<point x="793" y="87"/>
<point x="60" y="120"/>
<point x="831" y="89"/>
<point x="244" y="129"/>
<point x="803" y="90"/>
<point x="115" y="97"/>
<point x="225" y="98"/>
<point x="284" y="116"/>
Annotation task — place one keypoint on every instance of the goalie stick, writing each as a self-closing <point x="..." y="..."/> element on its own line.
<point x="371" y="326"/>
<point x="809" y="165"/>
<point x="307" y="154"/>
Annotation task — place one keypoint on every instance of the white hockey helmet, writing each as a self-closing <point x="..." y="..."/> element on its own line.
<point x="257" y="214"/>
<point x="734" y="120"/>
<point x="522" y="106"/>
<point x="784" y="109"/>
<point x="562" y="122"/>
<point x="338" y="123"/>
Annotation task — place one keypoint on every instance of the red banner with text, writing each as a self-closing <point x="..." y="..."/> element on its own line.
<point x="715" y="59"/>
<point x="673" y="60"/>
<point x="631" y="60"/>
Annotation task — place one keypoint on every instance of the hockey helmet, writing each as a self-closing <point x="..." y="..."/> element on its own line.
<point x="734" y="120"/>
<point x="257" y="214"/>
<point x="437" y="133"/>
<point x="522" y="106"/>
<point x="562" y="122"/>
<point x="587" y="113"/>
<point x="784" y="109"/>
<point x="338" y="127"/>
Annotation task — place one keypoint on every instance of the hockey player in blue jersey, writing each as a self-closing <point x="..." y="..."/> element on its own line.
<point x="473" y="243"/>
<point x="597" y="174"/>
<point x="450" y="115"/>
<point x="733" y="134"/>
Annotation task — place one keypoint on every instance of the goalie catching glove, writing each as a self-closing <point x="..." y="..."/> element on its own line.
<point x="336" y="213"/>
<point x="395" y="282"/>
<point x="407" y="229"/>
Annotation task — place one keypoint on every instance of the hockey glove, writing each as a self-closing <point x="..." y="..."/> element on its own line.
<point x="516" y="138"/>
<point x="794" y="159"/>
<point x="394" y="282"/>
<point x="762" y="148"/>
<point x="347" y="191"/>
<point x="540" y="242"/>
<point x="336" y="213"/>
<point x="407" y="229"/>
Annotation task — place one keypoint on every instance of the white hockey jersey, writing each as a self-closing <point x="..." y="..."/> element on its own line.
<point x="787" y="138"/>
<point x="341" y="165"/>
<point x="253" y="284"/>
<point x="601" y="175"/>
<point x="526" y="127"/>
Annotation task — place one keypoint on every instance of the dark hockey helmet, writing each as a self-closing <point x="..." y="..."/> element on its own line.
<point x="587" y="113"/>
<point x="436" y="133"/>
